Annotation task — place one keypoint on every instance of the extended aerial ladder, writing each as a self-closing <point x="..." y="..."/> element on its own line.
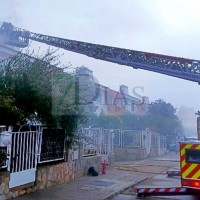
<point x="183" y="68"/>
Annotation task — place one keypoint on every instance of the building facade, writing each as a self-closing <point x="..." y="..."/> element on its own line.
<point x="109" y="101"/>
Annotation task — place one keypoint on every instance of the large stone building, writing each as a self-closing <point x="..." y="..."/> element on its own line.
<point x="109" y="101"/>
<point x="6" y="51"/>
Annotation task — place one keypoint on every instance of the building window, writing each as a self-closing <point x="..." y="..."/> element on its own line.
<point x="110" y="100"/>
<point x="132" y="106"/>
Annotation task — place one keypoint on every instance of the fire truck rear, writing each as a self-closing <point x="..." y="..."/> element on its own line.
<point x="189" y="171"/>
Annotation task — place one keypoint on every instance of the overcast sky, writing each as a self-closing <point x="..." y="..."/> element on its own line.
<point x="170" y="27"/>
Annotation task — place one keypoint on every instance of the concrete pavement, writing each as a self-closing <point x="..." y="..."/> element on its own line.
<point x="104" y="186"/>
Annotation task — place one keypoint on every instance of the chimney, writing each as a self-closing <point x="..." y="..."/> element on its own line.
<point x="124" y="89"/>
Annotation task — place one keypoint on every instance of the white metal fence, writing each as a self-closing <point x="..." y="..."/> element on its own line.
<point x="28" y="148"/>
<point x="102" y="141"/>
<point x="23" y="150"/>
<point x="97" y="141"/>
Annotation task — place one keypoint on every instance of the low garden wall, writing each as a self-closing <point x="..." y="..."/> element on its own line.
<point x="4" y="185"/>
<point x="82" y="165"/>
<point x="129" y="153"/>
<point x="49" y="175"/>
<point x="132" y="154"/>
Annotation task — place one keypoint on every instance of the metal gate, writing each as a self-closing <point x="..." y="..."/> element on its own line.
<point x="23" y="158"/>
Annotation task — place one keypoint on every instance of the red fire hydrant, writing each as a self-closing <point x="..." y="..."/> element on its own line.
<point x="103" y="164"/>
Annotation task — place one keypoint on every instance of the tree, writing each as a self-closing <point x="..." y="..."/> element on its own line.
<point x="161" y="108"/>
<point x="124" y="121"/>
<point x="162" y="118"/>
<point x="105" y="121"/>
<point x="9" y="112"/>
<point x="29" y="81"/>
<point x="131" y="121"/>
<point x="31" y="86"/>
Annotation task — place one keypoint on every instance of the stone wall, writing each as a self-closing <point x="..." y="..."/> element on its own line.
<point x="49" y="175"/>
<point x="128" y="153"/>
<point x="153" y="152"/>
<point x="54" y="174"/>
<point x="4" y="185"/>
<point x="132" y="154"/>
<point x="82" y="165"/>
<point x="111" y="160"/>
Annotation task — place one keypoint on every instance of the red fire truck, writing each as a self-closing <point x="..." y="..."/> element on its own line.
<point x="189" y="171"/>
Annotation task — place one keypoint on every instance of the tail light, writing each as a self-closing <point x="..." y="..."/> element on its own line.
<point x="191" y="183"/>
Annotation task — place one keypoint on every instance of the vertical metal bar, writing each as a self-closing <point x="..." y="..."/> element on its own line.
<point x="12" y="152"/>
<point x="29" y="151"/>
<point x="34" y="153"/>
<point x="15" y="156"/>
<point x="100" y="142"/>
<point x="37" y="147"/>
<point x="111" y="140"/>
<point x="105" y="142"/>
<point x="140" y="139"/>
<point x="97" y="141"/>
<point x="17" y="152"/>
<point x="110" y="136"/>
<point x="32" y="149"/>
<point x="40" y="144"/>
<point x="103" y="148"/>
<point x="9" y="155"/>
<point x="24" y="151"/>
<point x="20" y="151"/>
<point x="122" y="138"/>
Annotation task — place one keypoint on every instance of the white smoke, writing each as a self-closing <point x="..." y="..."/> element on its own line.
<point x="189" y="121"/>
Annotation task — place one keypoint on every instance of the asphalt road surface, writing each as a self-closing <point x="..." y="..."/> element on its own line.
<point x="133" y="197"/>
<point x="156" y="169"/>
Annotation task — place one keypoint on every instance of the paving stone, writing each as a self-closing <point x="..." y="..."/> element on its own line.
<point x="101" y="187"/>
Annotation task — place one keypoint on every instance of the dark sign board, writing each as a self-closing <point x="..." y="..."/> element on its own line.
<point x="52" y="146"/>
<point x="3" y="157"/>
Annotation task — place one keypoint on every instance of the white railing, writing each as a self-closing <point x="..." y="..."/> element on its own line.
<point x="97" y="141"/>
<point x="102" y="141"/>
<point x="24" y="151"/>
